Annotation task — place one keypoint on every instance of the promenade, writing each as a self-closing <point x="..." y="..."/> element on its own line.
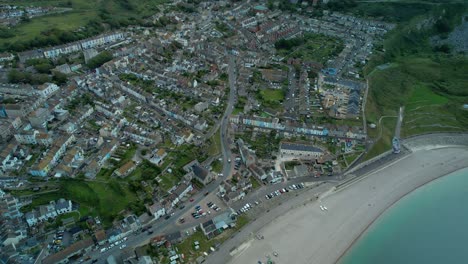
<point x="309" y="235"/>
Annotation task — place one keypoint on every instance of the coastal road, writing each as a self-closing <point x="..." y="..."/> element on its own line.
<point x="310" y="235"/>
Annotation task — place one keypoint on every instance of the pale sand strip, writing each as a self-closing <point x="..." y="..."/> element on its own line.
<point x="308" y="235"/>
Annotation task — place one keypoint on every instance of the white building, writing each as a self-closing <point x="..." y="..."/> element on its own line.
<point x="157" y="210"/>
<point x="47" y="89"/>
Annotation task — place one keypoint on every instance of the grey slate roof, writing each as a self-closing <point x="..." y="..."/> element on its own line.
<point x="299" y="147"/>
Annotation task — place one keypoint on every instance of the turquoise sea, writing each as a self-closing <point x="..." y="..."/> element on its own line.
<point x="429" y="225"/>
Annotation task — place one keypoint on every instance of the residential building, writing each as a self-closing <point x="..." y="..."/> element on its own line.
<point x="29" y="55"/>
<point x="215" y="226"/>
<point x="14" y="110"/>
<point x="201" y="174"/>
<point x="89" y="54"/>
<point x="258" y="172"/>
<point x="301" y="151"/>
<point x="47" y="89"/>
<point x="39" y="118"/>
<point x="72" y="250"/>
<point x="158" y="157"/>
<point x="102" y="40"/>
<point x="126" y="169"/>
<point x="182" y="190"/>
<point x="6" y="57"/>
<point x="56" y="51"/>
<point x="157" y="210"/>
<point x="48" y="211"/>
<point x="12" y="231"/>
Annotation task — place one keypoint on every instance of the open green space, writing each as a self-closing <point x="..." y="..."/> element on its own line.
<point x="237" y="111"/>
<point x="265" y="144"/>
<point x="276" y="95"/>
<point x="271" y="98"/>
<point x="408" y="71"/>
<point x="310" y="47"/>
<point x="289" y="165"/>
<point x="167" y="181"/>
<point x="255" y="183"/>
<point x="86" y="19"/>
<point x="217" y="166"/>
<point x="104" y="199"/>
<point x="145" y="171"/>
<point x="391" y="11"/>
<point x="215" y="144"/>
<point x="351" y="157"/>
<point x="384" y="143"/>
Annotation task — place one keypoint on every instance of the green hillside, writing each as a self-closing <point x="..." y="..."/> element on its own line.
<point x="87" y="18"/>
<point x="407" y="70"/>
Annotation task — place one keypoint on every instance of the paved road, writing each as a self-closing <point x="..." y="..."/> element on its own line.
<point x="162" y="225"/>
<point x="225" y="144"/>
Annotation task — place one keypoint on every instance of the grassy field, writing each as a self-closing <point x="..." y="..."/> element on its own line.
<point x="315" y="47"/>
<point x="215" y="144"/>
<point x="217" y="166"/>
<point x="271" y="98"/>
<point x="104" y="199"/>
<point x="84" y="14"/>
<point x="255" y="183"/>
<point x="167" y="181"/>
<point x="275" y="95"/>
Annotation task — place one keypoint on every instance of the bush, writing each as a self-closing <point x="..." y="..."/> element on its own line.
<point x="100" y="59"/>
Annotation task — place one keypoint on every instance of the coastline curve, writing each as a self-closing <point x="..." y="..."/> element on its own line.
<point x="329" y="235"/>
<point x="395" y="202"/>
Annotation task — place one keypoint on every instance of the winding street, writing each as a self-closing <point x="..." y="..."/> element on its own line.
<point x="161" y="225"/>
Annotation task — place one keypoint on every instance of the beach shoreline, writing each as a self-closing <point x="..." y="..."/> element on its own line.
<point x="364" y="232"/>
<point x="352" y="210"/>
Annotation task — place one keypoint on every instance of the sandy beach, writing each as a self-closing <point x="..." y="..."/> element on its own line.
<point x="309" y="235"/>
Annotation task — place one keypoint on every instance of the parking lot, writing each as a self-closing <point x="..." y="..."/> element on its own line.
<point x="258" y="204"/>
<point x="211" y="205"/>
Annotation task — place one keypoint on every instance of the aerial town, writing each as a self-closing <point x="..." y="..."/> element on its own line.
<point x="156" y="144"/>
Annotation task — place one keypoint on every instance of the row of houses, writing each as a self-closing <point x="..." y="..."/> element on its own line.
<point x="274" y="123"/>
<point x="56" y="51"/>
<point x="49" y="211"/>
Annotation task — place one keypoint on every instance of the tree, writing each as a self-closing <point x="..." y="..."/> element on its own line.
<point x="43" y="67"/>
<point x="15" y="76"/>
<point x="100" y="59"/>
<point x="59" y="78"/>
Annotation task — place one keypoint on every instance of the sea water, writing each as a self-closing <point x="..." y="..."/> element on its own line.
<point x="429" y="225"/>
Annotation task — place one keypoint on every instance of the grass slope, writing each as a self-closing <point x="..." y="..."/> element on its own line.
<point x="410" y="72"/>
<point x="84" y="14"/>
